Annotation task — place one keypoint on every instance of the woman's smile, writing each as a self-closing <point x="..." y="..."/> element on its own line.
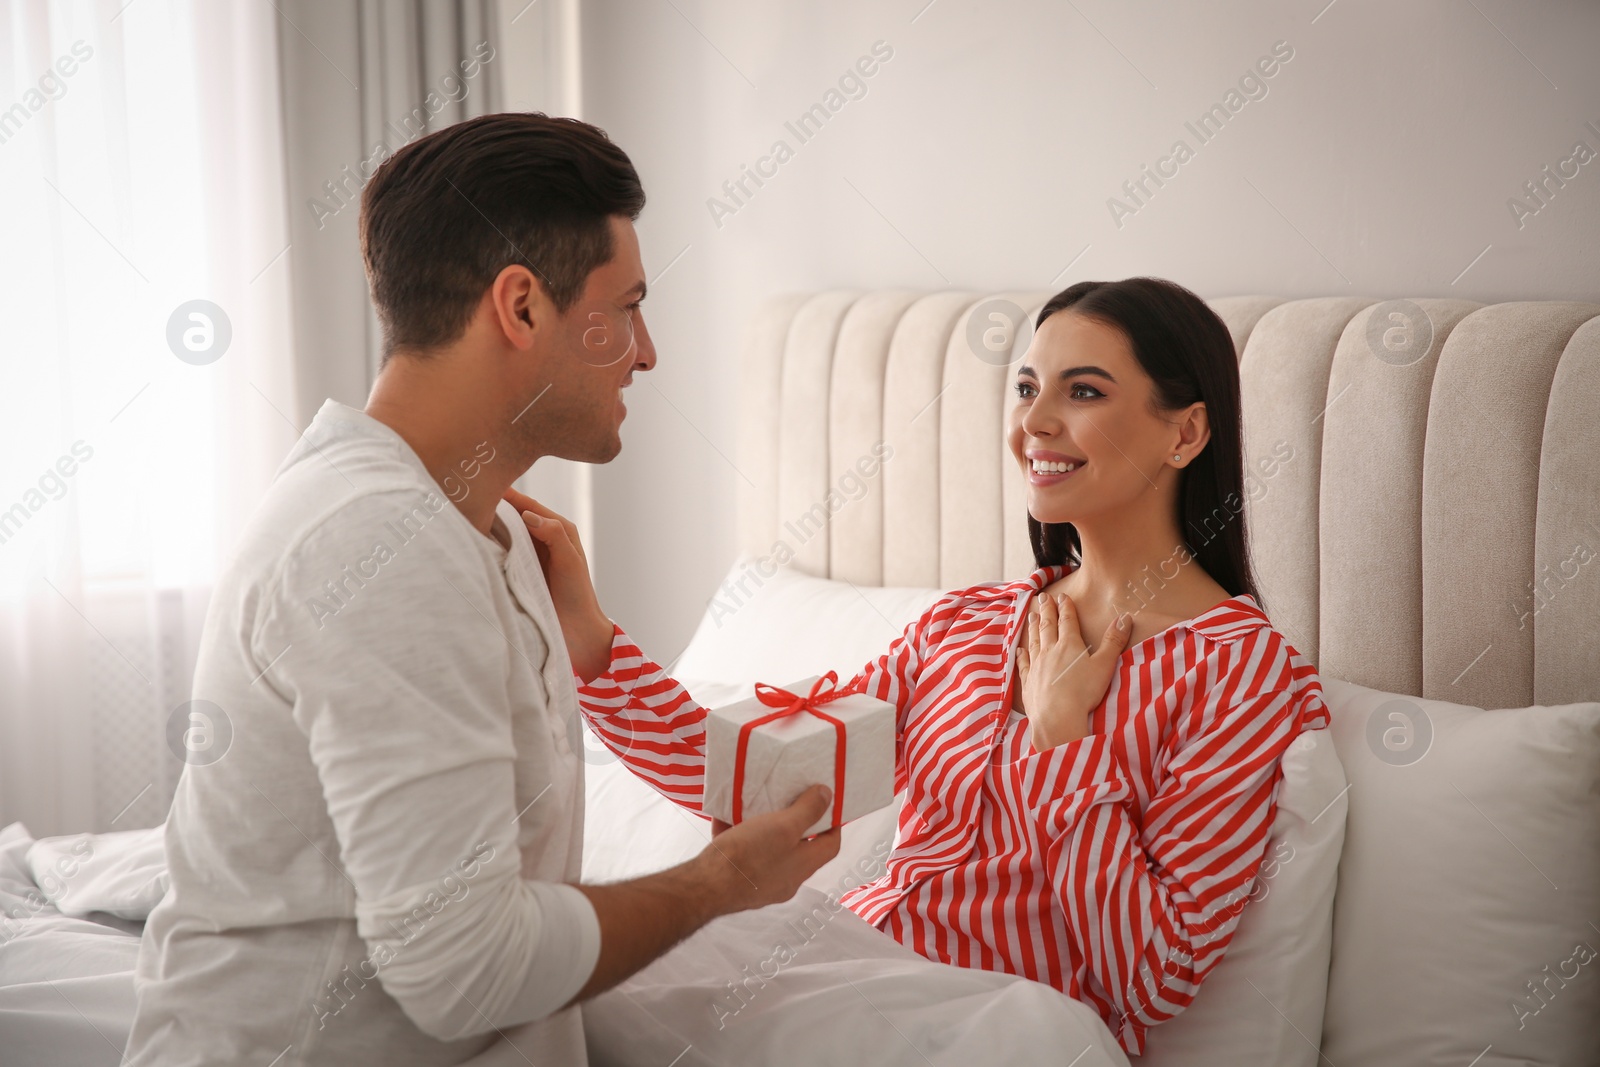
<point x="1051" y="468"/>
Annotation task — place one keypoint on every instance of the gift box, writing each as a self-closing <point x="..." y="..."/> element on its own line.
<point x="763" y="752"/>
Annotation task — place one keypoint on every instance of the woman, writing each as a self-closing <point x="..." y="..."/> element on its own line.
<point x="1089" y="818"/>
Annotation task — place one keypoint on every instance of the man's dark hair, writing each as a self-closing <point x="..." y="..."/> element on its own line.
<point x="448" y="212"/>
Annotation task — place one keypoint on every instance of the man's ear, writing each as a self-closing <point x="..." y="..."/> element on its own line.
<point x="520" y="306"/>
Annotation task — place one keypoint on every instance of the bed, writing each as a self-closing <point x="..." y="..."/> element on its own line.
<point x="1424" y="510"/>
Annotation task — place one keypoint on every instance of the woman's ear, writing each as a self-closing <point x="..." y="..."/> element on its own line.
<point x="1194" y="430"/>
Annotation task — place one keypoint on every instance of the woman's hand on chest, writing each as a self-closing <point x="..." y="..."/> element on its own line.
<point x="1061" y="679"/>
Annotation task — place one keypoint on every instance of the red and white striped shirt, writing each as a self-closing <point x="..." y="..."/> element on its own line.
<point x="1114" y="867"/>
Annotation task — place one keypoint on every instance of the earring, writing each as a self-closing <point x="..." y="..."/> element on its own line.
<point x="1179" y="458"/>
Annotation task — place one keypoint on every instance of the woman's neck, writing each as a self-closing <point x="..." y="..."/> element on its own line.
<point x="1138" y="568"/>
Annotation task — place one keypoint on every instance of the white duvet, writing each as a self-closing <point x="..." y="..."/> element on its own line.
<point x="800" y="983"/>
<point x="66" y="984"/>
<point x="805" y="982"/>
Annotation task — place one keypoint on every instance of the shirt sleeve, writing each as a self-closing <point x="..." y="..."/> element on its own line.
<point x="383" y="632"/>
<point x="649" y="721"/>
<point x="1152" y="903"/>
<point x="892" y="676"/>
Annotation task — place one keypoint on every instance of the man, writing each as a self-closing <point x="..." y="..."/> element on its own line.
<point x="383" y="864"/>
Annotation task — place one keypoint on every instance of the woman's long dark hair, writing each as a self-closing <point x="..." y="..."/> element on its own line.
<point x="1186" y="350"/>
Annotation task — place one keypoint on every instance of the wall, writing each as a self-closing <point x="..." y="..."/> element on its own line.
<point x="1380" y="161"/>
<point x="541" y="69"/>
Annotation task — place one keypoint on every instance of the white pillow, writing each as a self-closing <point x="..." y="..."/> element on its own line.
<point x="1263" y="1003"/>
<point x="19" y="895"/>
<point x="1471" y="869"/>
<point x="789" y="625"/>
<point x="123" y="873"/>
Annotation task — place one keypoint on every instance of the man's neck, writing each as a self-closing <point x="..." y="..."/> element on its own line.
<point x="435" y="413"/>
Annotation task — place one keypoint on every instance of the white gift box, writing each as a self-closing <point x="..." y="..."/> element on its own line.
<point x="787" y="756"/>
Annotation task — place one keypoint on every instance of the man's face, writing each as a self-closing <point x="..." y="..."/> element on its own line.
<point x="598" y="344"/>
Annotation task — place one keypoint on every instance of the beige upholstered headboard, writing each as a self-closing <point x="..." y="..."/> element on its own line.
<point x="1435" y="531"/>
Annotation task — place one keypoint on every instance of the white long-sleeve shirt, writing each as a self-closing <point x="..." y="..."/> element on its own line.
<point x="375" y="867"/>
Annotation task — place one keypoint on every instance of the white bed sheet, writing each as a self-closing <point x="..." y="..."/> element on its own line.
<point x="66" y="984"/>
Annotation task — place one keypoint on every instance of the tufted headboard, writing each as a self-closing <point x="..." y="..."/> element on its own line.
<point x="1423" y="477"/>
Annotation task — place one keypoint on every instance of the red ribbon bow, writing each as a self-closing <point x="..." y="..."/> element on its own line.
<point x="788" y="704"/>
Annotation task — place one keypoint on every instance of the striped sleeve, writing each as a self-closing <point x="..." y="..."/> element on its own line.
<point x="649" y="721"/>
<point x="1153" y="901"/>
<point x="657" y="730"/>
<point x="892" y="677"/>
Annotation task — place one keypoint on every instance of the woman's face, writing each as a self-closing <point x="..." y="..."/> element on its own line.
<point x="1083" y="402"/>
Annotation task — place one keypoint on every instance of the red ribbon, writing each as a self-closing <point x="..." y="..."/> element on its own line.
<point x="788" y="704"/>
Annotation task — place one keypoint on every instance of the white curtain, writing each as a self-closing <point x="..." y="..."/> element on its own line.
<point x="361" y="79"/>
<point x="140" y="172"/>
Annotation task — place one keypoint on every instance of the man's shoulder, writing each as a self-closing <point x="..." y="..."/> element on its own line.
<point x="313" y="506"/>
<point x="350" y="503"/>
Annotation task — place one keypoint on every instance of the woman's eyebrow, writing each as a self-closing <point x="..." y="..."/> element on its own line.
<point x="1069" y="372"/>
